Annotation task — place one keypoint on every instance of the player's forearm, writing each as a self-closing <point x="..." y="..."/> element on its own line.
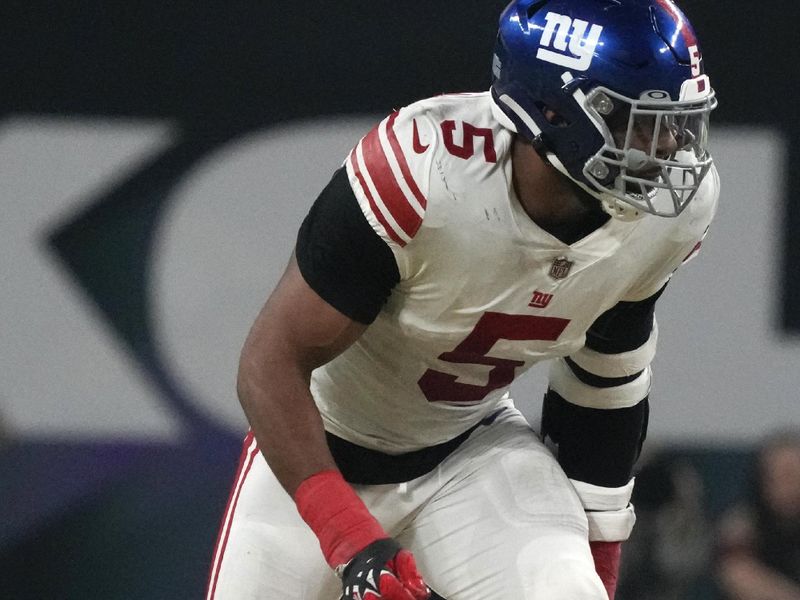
<point x="276" y="399"/>
<point x="282" y="413"/>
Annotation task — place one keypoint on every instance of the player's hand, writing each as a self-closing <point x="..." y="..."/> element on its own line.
<point x="371" y="564"/>
<point x="383" y="570"/>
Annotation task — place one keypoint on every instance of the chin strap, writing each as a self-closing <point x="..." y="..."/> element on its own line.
<point x="616" y="208"/>
<point x="609" y="204"/>
<point x="619" y="210"/>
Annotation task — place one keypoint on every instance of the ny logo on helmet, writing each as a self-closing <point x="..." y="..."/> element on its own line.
<point x="575" y="54"/>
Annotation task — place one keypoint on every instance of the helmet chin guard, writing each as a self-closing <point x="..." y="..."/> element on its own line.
<point x="614" y="93"/>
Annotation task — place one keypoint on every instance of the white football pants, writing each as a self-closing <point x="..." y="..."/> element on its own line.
<point x="496" y="520"/>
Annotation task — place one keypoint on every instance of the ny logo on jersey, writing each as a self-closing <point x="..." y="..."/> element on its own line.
<point x="578" y="52"/>
<point x="540" y="299"/>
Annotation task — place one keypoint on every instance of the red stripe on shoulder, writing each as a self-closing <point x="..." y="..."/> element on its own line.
<point x="375" y="209"/>
<point x="386" y="184"/>
<point x="401" y="160"/>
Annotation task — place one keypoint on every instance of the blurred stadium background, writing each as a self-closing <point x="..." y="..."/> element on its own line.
<point x="155" y="161"/>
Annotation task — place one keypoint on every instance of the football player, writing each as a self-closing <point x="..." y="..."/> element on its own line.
<point x="464" y="239"/>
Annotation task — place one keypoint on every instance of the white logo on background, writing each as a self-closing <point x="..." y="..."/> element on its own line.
<point x="575" y="53"/>
<point x="63" y="375"/>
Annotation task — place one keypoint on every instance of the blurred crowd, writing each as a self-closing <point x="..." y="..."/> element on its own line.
<point x="687" y="545"/>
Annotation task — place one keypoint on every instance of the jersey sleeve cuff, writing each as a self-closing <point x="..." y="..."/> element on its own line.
<point x="621" y="364"/>
<point x="564" y="382"/>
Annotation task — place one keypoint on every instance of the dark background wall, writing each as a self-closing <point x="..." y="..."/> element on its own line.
<point x="136" y="520"/>
<point x="220" y="68"/>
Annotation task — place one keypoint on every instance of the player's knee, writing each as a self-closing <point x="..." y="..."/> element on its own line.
<point x="566" y="580"/>
<point x="565" y="572"/>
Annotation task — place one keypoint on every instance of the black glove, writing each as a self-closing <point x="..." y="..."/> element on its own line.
<point x="383" y="570"/>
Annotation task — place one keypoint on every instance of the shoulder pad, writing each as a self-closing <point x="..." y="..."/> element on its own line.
<point x="388" y="171"/>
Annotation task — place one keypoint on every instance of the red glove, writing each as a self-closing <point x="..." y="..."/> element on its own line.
<point x="383" y="570"/>
<point x="371" y="564"/>
<point x="606" y="562"/>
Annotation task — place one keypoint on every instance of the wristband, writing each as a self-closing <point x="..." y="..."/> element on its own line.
<point x="337" y="516"/>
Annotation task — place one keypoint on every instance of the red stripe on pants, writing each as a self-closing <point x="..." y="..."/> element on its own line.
<point x="245" y="462"/>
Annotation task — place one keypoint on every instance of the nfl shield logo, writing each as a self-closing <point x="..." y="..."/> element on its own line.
<point x="560" y="267"/>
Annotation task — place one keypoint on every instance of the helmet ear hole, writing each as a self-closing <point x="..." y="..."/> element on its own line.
<point x="554" y="118"/>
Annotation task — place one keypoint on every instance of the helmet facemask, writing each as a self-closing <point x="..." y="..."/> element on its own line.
<point x="655" y="154"/>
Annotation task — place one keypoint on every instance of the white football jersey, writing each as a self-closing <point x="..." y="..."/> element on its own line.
<point x="484" y="292"/>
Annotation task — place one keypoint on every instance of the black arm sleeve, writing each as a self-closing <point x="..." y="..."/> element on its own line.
<point x="340" y="255"/>
<point x="623" y="327"/>
<point x="601" y="446"/>
<point x="595" y="446"/>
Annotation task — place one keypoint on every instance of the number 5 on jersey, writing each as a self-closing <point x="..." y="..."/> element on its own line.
<point x="491" y="327"/>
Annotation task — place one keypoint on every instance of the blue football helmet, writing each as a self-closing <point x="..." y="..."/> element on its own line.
<point x="613" y="93"/>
